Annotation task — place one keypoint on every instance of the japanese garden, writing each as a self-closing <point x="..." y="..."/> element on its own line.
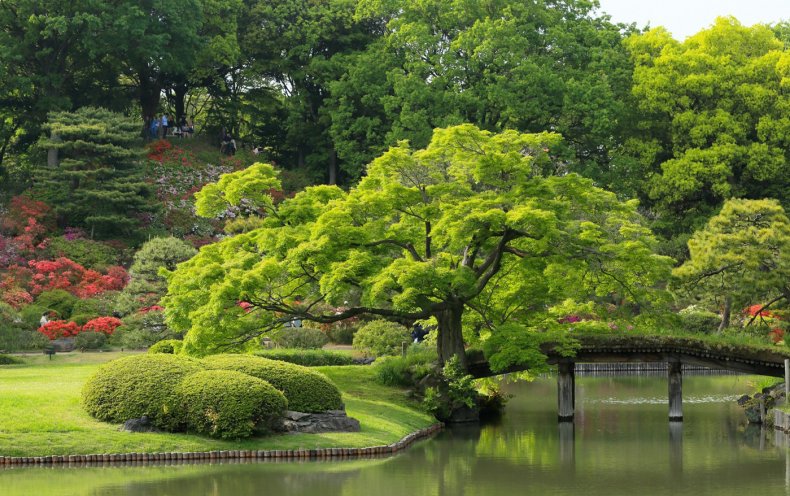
<point x="434" y="247"/>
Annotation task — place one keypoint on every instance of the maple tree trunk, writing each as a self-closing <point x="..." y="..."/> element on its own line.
<point x="450" y="340"/>
<point x="725" y="316"/>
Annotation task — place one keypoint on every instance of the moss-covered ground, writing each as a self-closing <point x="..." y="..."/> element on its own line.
<point x="40" y="414"/>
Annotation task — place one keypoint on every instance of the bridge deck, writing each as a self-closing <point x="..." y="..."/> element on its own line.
<point x="623" y="349"/>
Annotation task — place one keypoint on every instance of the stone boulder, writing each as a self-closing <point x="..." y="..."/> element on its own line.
<point x="364" y="360"/>
<point x="769" y="397"/>
<point x="330" y="421"/>
<point x="63" y="344"/>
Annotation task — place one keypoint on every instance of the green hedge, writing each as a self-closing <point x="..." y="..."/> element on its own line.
<point x="300" y="337"/>
<point x="59" y="301"/>
<point x="229" y="404"/>
<point x="138" y="385"/>
<point x="701" y="321"/>
<point x="85" y="252"/>
<point x="308" y="358"/>
<point x="171" y="346"/>
<point x="306" y="390"/>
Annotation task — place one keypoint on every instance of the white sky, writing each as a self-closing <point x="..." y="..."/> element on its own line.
<point x="686" y="17"/>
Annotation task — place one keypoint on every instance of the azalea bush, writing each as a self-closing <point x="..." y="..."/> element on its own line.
<point x="23" y="226"/>
<point x="104" y="325"/>
<point x="38" y="276"/>
<point x="56" y="329"/>
<point x="64" y="273"/>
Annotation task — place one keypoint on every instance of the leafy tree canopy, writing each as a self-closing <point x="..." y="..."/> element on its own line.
<point x="469" y="224"/>
<point x="506" y="64"/>
<point x="250" y="188"/>
<point x="741" y="256"/>
<point x="714" y="123"/>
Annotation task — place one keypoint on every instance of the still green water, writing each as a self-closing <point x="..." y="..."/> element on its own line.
<point x="620" y="444"/>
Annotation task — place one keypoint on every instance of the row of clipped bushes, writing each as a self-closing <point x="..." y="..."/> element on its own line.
<point x="308" y="358"/>
<point x="226" y="396"/>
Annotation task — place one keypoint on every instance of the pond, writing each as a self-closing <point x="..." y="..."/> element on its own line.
<point x="620" y="443"/>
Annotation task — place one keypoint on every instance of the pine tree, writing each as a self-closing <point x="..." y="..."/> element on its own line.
<point x="98" y="183"/>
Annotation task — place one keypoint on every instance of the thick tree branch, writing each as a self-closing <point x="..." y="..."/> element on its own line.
<point x="493" y="262"/>
<point x="714" y="272"/>
<point x="494" y="256"/>
<point x="427" y="240"/>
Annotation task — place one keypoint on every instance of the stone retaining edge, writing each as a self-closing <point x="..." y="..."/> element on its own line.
<point x="781" y="420"/>
<point x="300" y="454"/>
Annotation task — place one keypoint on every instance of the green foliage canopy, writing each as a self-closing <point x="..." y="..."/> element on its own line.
<point x="470" y="223"/>
<point x="508" y="64"/>
<point x="98" y="183"/>
<point x="714" y="120"/>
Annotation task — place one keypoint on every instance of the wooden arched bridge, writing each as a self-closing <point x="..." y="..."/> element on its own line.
<point x="676" y="351"/>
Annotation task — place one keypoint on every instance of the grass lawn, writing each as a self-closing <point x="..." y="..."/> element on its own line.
<point x="40" y="414"/>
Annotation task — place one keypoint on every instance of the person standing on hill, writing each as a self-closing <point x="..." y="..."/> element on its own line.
<point x="164" y="124"/>
<point x="153" y="129"/>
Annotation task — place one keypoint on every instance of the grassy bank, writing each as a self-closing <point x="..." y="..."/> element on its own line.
<point x="40" y="414"/>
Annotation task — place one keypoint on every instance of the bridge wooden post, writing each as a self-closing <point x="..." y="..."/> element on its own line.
<point x="566" y="391"/>
<point x="567" y="444"/>
<point x="676" y="447"/>
<point x="675" y="373"/>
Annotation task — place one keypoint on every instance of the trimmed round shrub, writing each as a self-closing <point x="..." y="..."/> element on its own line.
<point x="300" y="337"/>
<point x="697" y="320"/>
<point x="14" y="334"/>
<point x="229" y="404"/>
<point x="381" y="338"/>
<point x="82" y="318"/>
<point x="308" y="358"/>
<point x="141" y="330"/>
<point x="138" y="385"/>
<point x="171" y="346"/>
<point x="305" y="389"/>
<point x="88" y="309"/>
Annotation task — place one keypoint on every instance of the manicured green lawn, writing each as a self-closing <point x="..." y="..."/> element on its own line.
<point x="40" y="414"/>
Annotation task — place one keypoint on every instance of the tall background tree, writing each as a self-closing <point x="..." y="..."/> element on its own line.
<point x="161" y="41"/>
<point x="97" y="183"/>
<point x="295" y="45"/>
<point x="529" y="66"/>
<point x="51" y="58"/>
<point x="713" y="122"/>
